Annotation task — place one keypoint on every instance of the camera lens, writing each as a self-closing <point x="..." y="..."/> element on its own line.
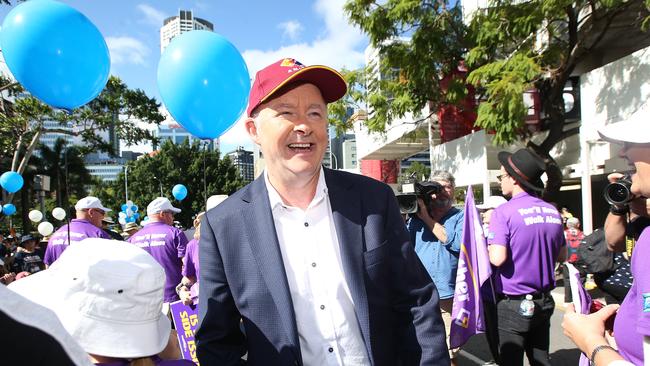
<point x="618" y="193"/>
<point x="408" y="203"/>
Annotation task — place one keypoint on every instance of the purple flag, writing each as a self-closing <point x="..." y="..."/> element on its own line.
<point x="186" y="321"/>
<point x="473" y="270"/>
<point x="581" y="301"/>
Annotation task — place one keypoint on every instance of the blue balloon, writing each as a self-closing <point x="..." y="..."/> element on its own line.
<point x="55" y="52"/>
<point x="12" y="182"/>
<point x="134" y="208"/>
<point x="204" y="82"/>
<point x="124" y="207"/>
<point x="179" y="192"/>
<point x="130" y="219"/>
<point x="9" y="209"/>
<point x="136" y="216"/>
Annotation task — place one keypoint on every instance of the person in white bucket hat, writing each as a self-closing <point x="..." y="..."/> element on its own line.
<point x="108" y="295"/>
<point x="631" y="327"/>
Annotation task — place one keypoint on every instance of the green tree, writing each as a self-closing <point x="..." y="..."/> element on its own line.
<point x="416" y="170"/>
<point x="67" y="171"/>
<point x="418" y="41"/>
<point x="539" y="44"/>
<point x="501" y="51"/>
<point x="174" y="164"/>
<point x="115" y="111"/>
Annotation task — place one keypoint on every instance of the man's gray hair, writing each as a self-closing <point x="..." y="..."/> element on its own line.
<point x="443" y="175"/>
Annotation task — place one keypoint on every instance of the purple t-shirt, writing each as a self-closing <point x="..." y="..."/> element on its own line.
<point x="633" y="317"/>
<point x="191" y="260"/>
<point x="79" y="230"/>
<point x="167" y="245"/>
<point x="531" y="230"/>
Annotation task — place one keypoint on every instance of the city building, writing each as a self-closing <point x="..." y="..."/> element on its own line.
<point x="348" y="155"/>
<point x="179" y="24"/>
<point x="108" y="168"/>
<point x="244" y="162"/>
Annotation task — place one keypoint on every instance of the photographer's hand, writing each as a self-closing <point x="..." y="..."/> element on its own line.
<point x="615" y="225"/>
<point x="436" y="228"/>
<point x="640" y="206"/>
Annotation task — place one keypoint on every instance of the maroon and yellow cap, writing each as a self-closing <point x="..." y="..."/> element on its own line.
<point x="281" y="73"/>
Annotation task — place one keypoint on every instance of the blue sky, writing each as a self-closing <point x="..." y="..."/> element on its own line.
<point x="314" y="32"/>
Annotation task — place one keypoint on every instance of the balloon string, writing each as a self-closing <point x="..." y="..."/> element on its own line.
<point x="205" y="185"/>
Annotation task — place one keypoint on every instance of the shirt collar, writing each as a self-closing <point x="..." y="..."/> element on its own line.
<point x="274" y="197"/>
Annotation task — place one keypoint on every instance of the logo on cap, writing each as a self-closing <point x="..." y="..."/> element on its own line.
<point x="293" y="64"/>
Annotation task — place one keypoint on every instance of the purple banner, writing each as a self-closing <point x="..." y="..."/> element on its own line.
<point x="186" y="320"/>
<point x="473" y="270"/>
<point x="581" y="301"/>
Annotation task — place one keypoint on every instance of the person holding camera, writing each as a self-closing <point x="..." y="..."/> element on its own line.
<point x="436" y="231"/>
<point x="632" y="323"/>
<point x="525" y="239"/>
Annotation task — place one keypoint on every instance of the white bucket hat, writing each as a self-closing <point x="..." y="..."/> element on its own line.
<point x="635" y="129"/>
<point x="108" y="295"/>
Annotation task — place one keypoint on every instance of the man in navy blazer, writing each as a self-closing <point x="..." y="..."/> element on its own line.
<point x="316" y="264"/>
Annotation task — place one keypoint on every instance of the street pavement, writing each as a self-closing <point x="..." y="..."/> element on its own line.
<point x="562" y="351"/>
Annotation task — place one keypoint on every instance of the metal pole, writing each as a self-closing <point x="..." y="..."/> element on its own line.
<point x="126" y="183"/>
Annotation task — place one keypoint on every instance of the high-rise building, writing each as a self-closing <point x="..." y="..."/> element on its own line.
<point x="179" y="24"/>
<point x="243" y="160"/>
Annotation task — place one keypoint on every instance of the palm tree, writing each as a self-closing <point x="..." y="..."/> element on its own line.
<point x="67" y="170"/>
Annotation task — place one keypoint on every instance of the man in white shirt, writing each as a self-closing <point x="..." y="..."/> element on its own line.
<point x="317" y="263"/>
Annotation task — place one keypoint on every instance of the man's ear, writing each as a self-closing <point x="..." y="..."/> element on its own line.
<point x="251" y="128"/>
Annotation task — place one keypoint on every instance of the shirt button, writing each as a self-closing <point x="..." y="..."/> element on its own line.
<point x="313" y="264"/>
<point x="330" y="350"/>
<point x="322" y="307"/>
<point x="306" y="224"/>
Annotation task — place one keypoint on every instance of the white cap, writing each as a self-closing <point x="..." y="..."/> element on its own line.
<point x="105" y="293"/>
<point x="161" y="204"/>
<point x="492" y="202"/>
<point x="90" y="202"/>
<point x="635" y="129"/>
<point x="215" y="200"/>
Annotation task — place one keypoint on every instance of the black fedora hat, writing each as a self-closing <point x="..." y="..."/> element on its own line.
<point x="525" y="167"/>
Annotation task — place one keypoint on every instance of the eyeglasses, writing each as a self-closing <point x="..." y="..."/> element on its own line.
<point x="102" y="213"/>
<point x="501" y="176"/>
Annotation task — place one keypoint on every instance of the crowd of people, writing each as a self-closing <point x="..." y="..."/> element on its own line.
<point x="312" y="266"/>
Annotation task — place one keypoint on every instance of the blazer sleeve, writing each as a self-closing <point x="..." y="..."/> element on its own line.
<point x="416" y="302"/>
<point x="219" y="339"/>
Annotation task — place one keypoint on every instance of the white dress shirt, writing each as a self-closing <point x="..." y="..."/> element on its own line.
<point x="328" y="329"/>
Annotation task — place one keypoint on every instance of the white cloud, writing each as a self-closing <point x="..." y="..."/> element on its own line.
<point x="291" y="29"/>
<point x="340" y="46"/>
<point x="152" y="15"/>
<point x="127" y="50"/>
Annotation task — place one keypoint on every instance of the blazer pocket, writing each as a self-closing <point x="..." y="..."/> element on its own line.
<point x="376" y="255"/>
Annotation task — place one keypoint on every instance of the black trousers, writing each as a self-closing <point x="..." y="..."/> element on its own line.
<point x="518" y="335"/>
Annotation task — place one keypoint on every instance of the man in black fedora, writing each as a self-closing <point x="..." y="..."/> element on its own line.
<point x="524" y="241"/>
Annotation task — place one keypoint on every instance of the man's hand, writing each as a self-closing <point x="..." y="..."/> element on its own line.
<point x="8" y="278"/>
<point x="639" y="205"/>
<point x="423" y="212"/>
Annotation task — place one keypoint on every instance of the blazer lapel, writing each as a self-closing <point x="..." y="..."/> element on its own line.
<point x="348" y="220"/>
<point x="263" y="240"/>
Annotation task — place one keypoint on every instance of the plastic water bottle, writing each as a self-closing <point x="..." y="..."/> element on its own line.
<point x="527" y="307"/>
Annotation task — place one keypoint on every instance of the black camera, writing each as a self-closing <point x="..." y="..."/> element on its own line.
<point x="408" y="202"/>
<point x="619" y="193"/>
